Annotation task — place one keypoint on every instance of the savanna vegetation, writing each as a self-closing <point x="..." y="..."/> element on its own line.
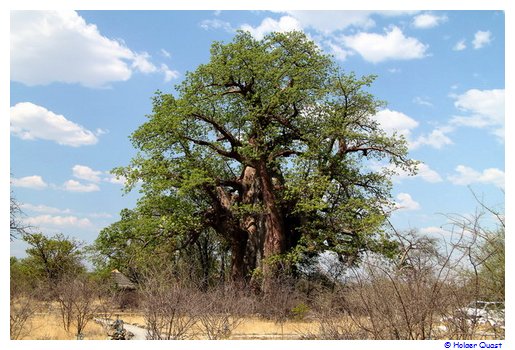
<point x="259" y="203"/>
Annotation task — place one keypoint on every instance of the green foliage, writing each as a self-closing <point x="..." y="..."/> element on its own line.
<point x="492" y="272"/>
<point x="48" y="261"/>
<point x="278" y="106"/>
<point x="300" y="311"/>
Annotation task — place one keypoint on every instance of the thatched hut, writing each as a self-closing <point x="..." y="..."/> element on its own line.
<point x="121" y="281"/>
<point x="126" y="290"/>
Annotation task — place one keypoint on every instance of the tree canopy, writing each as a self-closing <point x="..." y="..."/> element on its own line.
<point x="269" y="145"/>
<point x="49" y="260"/>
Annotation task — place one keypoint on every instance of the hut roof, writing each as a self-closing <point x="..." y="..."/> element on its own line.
<point x="121" y="280"/>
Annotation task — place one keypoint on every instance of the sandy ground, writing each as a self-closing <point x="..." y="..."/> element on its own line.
<point x="139" y="333"/>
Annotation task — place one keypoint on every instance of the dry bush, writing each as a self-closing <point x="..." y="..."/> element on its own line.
<point x="22" y="310"/>
<point x="168" y="308"/>
<point x="404" y="298"/>
<point x="76" y="300"/>
<point x="279" y="301"/>
<point x="416" y="296"/>
<point x="333" y="323"/>
<point x="401" y="298"/>
<point x="220" y="311"/>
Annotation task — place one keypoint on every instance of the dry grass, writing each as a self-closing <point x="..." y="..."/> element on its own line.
<point x="257" y="328"/>
<point x="250" y="327"/>
<point x="48" y="326"/>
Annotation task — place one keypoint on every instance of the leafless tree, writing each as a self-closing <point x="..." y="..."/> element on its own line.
<point x="76" y="298"/>
<point x="17" y="226"/>
<point x="23" y="308"/>
<point x="221" y="311"/>
<point x="169" y="308"/>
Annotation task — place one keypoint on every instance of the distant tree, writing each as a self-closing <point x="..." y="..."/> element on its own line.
<point x="50" y="259"/>
<point x="485" y="250"/>
<point x="271" y="146"/>
<point x="492" y="273"/>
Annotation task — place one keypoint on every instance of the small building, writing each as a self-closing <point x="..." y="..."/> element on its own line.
<point x="121" y="281"/>
<point x="126" y="290"/>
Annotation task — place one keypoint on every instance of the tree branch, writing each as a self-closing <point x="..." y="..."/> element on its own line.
<point x="230" y="154"/>
<point x="221" y="129"/>
<point x="283" y="153"/>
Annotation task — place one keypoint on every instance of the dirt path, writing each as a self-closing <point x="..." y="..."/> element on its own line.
<point x="139" y="333"/>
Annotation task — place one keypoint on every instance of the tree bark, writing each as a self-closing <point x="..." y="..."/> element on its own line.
<point x="238" y="268"/>
<point x="227" y="225"/>
<point x="275" y="237"/>
<point x="251" y="221"/>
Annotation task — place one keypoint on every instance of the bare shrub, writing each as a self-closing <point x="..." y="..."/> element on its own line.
<point x="169" y="309"/>
<point x="333" y="322"/>
<point x="75" y="297"/>
<point x="106" y="308"/>
<point x="279" y="301"/>
<point x="403" y="298"/>
<point x="22" y="310"/>
<point x="221" y="310"/>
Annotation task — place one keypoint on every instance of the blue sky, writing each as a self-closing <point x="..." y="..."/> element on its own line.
<point x="82" y="82"/>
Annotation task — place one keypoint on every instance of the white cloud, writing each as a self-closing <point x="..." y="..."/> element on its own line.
<point x="424" y="172"/>
<point x="330" y="21"/>
<point x="327" y="22"/>
<point x="428" y="20"/>
<point x="467" y="176"/>
<point x="405" y="202"/>
<point x="216" y="23"/>
<point x="488" y="103"/>
<point x="59" y="46"/>
<point x="117" y="180"/>
<point x="268" y="25"/>
<point x="31" y="122"/>
<point x="485" y="109"/>
<point x="422" y="101"/>
<point x="437" y="139"/>
<point x="169" y="74"/>
<point x="394" y="121"/>
<point x="58" y="221"/>
<point x="337" y="51"/>
<point x="76" y="186"/>
<point x="460" y="46"/>
<point x="141" y="62"/>
<point x="428" y="174"/>
<point x="481" y="38"/>
<point x="83" y="172"/>
<point x="433" y="230"/>
<point x="40" y="208"/>
<point x="86" y="173"/>
<point x="392" y="45"/>
<point x="166" y="53"/>
<point x="35" y="182"/>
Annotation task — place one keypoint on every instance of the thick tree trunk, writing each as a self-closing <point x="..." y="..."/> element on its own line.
<point x="251" y="192"/>
<point x="238" y="267"/>
<point x="275" y="237"/>
<point x="227" y="225"/>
